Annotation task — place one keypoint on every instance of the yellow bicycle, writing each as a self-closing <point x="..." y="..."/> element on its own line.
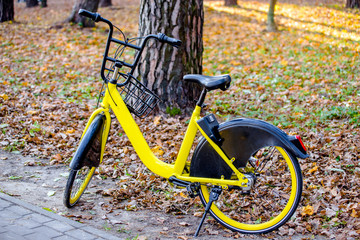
<point x="245" y="171"/>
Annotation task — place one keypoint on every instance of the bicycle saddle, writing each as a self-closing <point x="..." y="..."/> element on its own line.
<point x="210" y="82"/>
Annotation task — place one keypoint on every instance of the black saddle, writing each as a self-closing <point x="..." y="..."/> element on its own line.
<point x="209" y="82"/>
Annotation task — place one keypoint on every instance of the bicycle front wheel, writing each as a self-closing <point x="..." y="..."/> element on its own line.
<point x="76" y="184"/>
<point x="272" y="200"/>
<point x="87" y="157"/>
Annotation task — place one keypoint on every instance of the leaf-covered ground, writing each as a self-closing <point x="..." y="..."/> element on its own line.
<point x="305" y="79"/>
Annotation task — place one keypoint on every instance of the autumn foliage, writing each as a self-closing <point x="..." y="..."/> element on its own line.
<point x="303" y="78"/>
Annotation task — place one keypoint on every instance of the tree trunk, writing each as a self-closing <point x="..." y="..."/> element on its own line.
<point x="162" y="67"/>
<point x="43" y="3"/>
<point x="6" y="10"/>
<point x="31" y="3"/>
<point x="353" y="3"/>
<point x="90" y="5"/>
<point x="271" y="25"/>
<point x="231" y="3"/>
<point x="105" y="3"/>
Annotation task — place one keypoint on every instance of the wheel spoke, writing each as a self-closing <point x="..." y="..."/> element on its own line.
<point x="271" y="201"/>
<point x="77" y="183"/>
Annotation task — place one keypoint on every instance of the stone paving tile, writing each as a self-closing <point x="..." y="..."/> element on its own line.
<point x="27" y="222"/>
<point x="20" y="220"/>
<point x="39" y="218"/>
<point x="37" y="236"/>
<point x="9" y="215"/>
<point x="4" y="204"/>
<point x="10" y="236"/>
<point x="99" y="233"/>
<point x="2" y="229"/>
<point x="64" y="237"/>
<point x="18" y="210"/>
<point x="49" y="232"/>
<point x="80" y="234"/>
<point x="59" y="226"/>
<point x="20" y="230"/>
<point x="3" y="222"/>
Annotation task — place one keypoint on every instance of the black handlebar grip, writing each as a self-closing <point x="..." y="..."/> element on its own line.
<point x="94" y="16"/>
<point x="172" y="41"/>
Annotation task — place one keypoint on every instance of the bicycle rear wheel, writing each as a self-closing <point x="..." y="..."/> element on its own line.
<point x="76" y="184"/>
<point x="272" y="200"/>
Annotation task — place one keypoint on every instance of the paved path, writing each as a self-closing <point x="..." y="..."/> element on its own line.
<point x="21" y="220"/>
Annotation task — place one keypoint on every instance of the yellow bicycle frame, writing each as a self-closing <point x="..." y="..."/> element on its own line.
<point x="113" y="100"/>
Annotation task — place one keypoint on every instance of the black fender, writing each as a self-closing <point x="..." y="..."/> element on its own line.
<point x="88" y="152"/>
<point x="241" y="139"/>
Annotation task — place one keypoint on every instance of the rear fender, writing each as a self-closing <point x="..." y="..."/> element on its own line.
<point x="242" y="138"/>
<point x="91" y="147"/>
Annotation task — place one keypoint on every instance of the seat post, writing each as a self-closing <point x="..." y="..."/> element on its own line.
<point x="201" y="100"/>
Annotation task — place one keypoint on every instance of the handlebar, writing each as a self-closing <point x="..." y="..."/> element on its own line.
<point x="161" y="37"/>
<point x="94" y="16"/>
<point x="172" y="41"/>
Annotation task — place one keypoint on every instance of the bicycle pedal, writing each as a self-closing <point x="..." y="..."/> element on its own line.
<point x="193" y="189"/>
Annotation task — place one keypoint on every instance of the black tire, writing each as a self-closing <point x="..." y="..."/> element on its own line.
<point x="76" y="184"/>
<point x="272" y="200"/>
<point x="86" y="159"/>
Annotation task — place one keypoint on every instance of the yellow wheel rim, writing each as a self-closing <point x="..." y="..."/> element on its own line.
<point x="85" y="182"/>
<point x="265" y="225"/>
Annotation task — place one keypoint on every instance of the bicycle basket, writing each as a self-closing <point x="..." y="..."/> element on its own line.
<point x="137" y="97"/>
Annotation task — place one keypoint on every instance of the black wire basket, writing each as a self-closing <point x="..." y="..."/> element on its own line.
<point x="137" y="97"/>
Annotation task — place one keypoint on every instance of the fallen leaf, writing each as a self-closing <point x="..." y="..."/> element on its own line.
<point x="330" y="213"/>
<point x="308" y="210"/>
<point x="157" y="150"/>
<point x="198" y="214"/>
<point x="70" y="131"/>
<point x="212" y="232"/>
<point x="4" y="96"/>
<point x="183" y="237"/>
<point x="355" y="213"/>
<point x="185" y="224"/>
<point x="157" y="120"/>
<point x="51" y="193"/>
<point x="142" y="237"/>
<point x="314" y="169"/>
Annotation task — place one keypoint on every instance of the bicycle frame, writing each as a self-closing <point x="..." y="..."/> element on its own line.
<point x="112" y="100"/>
<point x="244" y="141"/>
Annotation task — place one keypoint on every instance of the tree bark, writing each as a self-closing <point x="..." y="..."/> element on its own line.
<point x="105" y="3"/>
<point x="90" y="5"/>
<point x="31" y="3"/>
<point x="271" y="25"/>
<point x="353" y="3"/>
<point x="231" y="3"/>
<point x="6" y="10"/>
<point x="162" y="67"/>
<point x="43" y="3"/>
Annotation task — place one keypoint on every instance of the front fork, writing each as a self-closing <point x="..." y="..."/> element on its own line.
<point x="81" y="157"/>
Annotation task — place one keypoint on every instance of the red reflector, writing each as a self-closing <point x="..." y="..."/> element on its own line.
<point x="302" y="144"/>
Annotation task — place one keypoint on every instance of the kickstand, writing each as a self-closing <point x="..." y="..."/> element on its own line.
<point x="214" y="195"/>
